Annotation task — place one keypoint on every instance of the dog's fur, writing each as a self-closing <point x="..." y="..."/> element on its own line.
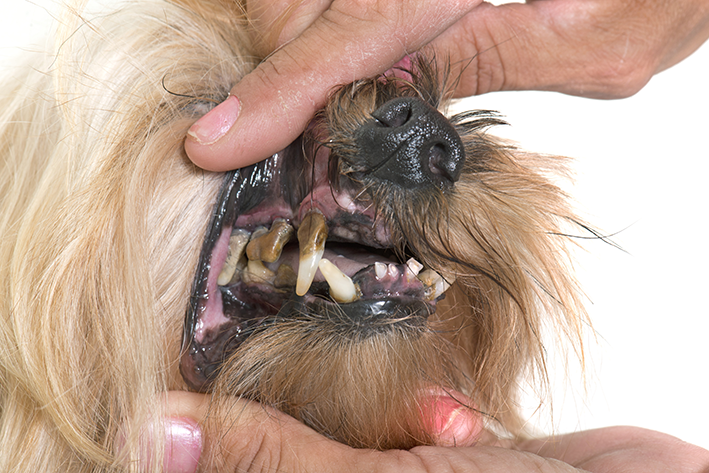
<point x="103" y="217"/>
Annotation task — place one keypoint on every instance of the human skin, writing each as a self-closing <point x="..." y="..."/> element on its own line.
<point x="594" y="48"/>
<point x="261" y="439"/>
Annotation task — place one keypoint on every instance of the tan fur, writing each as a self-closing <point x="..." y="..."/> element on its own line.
<point x="103" y="217"/>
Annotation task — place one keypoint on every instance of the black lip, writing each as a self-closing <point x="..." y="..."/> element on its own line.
<point x="364" y="316"/>
<point x="241" y="190"/>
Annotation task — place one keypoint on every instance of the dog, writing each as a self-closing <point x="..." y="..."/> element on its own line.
<point x="388" y="251"/>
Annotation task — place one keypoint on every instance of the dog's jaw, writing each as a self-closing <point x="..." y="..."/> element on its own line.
<point x="239" y="289"/>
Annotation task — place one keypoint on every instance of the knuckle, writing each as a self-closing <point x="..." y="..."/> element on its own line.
<point x="257" y="454"/>
<point x="623" y="76"/>
<point x="378" y="14"/>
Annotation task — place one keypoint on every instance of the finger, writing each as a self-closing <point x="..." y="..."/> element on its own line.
<point x="453" y="418"/>
<point x="255" y="438"/>
<point x="276" y="22"/>
<point x="601" y="49"/>
<point x="272" y="105"/>
<point x="251" y="437"/>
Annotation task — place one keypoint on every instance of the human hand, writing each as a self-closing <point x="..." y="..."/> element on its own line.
<point x="257" y="438"/>
<point x="596" y="48"/>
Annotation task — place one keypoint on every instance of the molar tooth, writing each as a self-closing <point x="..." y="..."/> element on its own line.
<point x="268" y="245"/>
<point x="285" y="277"/>
<point x="257" y="272"/>
<point x="440" y="287"/>
<point x="312" y="234"/>
<point x="435" y="283"/>
<point x="237" y="242"/>
<point x="342" y="289"/>
<point x="380" y="270"/>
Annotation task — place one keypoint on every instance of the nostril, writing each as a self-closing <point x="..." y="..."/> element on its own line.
<point x="395" y="115"/>
<point x="411" y="144"/>
<point x="438" y="158"/>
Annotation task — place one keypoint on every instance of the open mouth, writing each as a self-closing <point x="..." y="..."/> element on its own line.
<point x="340" y="230"/>
<point x="286" y="241"/>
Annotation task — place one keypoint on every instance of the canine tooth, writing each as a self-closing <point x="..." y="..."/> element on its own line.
<point x="269" y="245"/>
<point x="257" y="272"/>
<point x="342" y="289"/>
<point x="312" y="234"/>
<point x="237" y="243"/>
<point x="414" y="266"/>
<point x="380" y="270"/>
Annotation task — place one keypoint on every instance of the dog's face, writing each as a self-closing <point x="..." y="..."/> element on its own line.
<point x="387" y="252"/>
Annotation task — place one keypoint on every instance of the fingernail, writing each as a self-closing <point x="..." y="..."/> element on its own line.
<point x="216" y="123"/>
<point x="183" y="445"/>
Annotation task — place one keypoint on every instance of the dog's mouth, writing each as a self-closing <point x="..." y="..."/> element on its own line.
<point x="290" y="238"/>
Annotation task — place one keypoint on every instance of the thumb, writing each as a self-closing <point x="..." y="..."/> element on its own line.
<point x="272" y="105"/>
<point x="249" y="437"/>
<point x="453" y="418"/>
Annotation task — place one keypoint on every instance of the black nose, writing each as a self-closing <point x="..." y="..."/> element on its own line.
<point x="411" y="144"/>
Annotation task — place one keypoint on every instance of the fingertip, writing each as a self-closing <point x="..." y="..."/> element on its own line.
<point x="453" y="419"/>
<point x="245" y="130"/>
<point x="207" y="137"/>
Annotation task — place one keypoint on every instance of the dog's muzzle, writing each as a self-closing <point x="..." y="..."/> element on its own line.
<point x="299" y="235"/>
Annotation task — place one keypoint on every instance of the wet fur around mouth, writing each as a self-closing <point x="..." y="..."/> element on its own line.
<point x="105" y="217"/>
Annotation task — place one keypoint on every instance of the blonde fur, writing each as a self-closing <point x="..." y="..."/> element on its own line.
<point x="103" y="217"/>
<point x="92" y="164"/>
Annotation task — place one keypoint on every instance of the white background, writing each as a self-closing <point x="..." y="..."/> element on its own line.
<point x="642" y="171"/>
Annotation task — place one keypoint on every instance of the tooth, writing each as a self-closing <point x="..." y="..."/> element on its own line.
<point x="393" y="271"/>
<point x="267" y="246"/>
<point x="414" y="266"/>
<point x="342" y="289"/>
<point x="285" y="277"/>
<point x="237" y="243"/>
<point x="435" y="283"/>
<point x="312" y="234"/>
<point x="380" y="270"/>
<point x="257" y="272"/>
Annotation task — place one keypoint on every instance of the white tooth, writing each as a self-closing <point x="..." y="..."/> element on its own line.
<point x="414" y="266"/>
<point x="393" y="270"/>
<point x="312" y="235"/>
<point x="307" y="267"/>
<point x="380" y="270"/>
<point x="342" y="289"/>
<point x="237" y="243"/>
<point x="434" y="282"/>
